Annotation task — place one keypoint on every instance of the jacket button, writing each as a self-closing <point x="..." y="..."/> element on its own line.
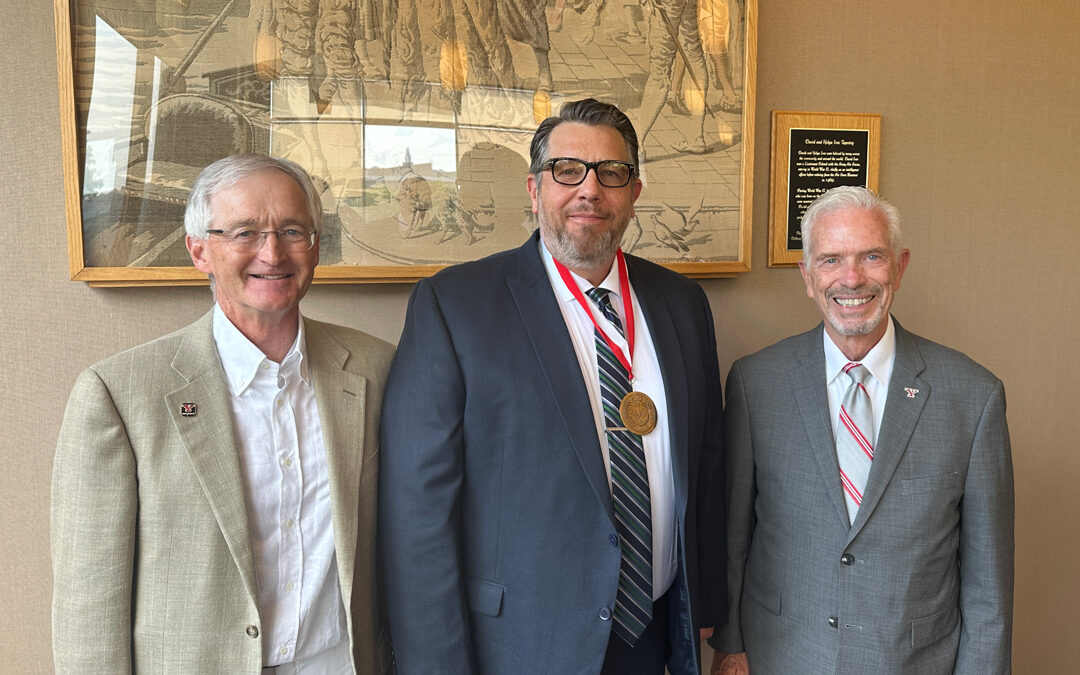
<point x="834" y="622"/>
<point x="614" y="539"/>
<point x="252" y="631"/>
<point x="847" y="559"/>
<point x="605" y="613"/>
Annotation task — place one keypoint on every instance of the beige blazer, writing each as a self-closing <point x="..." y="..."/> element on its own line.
<point x="152" y="557"/>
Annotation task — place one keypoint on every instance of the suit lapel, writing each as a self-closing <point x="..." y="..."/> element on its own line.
<point x="341" y="399"/>
<point x="210" y="440"/>
<point x="812" y="398"/>
<point x="902" y="413"/>
<point x="657" y="314"/>
<point x="546" y="328"/>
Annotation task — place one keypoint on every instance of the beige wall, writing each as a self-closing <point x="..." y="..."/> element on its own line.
<point x="980" y="153"/>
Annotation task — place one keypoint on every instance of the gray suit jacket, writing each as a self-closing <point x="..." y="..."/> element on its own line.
<point x="152" y="556"/>
<point x="922" y="581"/>
<point x="496" y="521"/>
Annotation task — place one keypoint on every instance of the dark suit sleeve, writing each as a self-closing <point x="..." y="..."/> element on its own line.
<point x="986" y="547"/>
<point x="94" y="506"/>
<point x="710" y="491"/>
<point x="421" y="473"/>
<point x="738" y="446"/>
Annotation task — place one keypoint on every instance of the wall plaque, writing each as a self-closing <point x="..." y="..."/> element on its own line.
<point x="811" y="153"/>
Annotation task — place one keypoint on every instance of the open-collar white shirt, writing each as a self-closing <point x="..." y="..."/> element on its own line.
<point x="287" y="492"/>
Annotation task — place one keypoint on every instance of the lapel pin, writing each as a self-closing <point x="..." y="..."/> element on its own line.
<point x="188" y="409"/>
<point x="910" y="393"/>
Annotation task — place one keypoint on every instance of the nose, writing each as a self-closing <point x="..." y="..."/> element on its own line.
<point x="853" y="274"/>
<point x="590" y="188"/>
<point x="272" y="250"/>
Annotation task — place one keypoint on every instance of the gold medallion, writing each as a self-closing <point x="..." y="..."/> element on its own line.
<point x="638" y="413"/>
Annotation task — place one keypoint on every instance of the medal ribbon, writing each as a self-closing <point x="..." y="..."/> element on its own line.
<point x="628" y="309"/>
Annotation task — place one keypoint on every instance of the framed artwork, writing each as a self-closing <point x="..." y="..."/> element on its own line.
<point x="811" y="153"/>
<point x="414" y="118"/>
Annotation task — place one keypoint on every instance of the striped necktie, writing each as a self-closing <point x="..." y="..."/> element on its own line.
<point x="629" y="488"/>
<point x="855" y="438"/>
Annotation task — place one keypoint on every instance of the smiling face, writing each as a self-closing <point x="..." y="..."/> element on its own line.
<point x="582" y="225"/>
<point x="853" y="275"/>
<point x="259" y="291"/>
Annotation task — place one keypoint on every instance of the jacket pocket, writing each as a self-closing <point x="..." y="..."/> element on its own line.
<point x="930" y="629"/>
<point x="944" y="481"/>
<point x="484" y="597"/>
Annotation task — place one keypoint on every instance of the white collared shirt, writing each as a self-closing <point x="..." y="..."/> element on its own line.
<point x="287" y="492"/>
<point x="647" y="379"/>
<point x="879" y="361"/>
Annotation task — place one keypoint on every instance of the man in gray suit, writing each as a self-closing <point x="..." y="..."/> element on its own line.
<point x="529" y="522"/>
<point x="870" y="525"/>
<point x="214" y="490"/>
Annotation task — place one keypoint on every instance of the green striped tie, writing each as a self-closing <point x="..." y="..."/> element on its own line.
<point x="629" y="488"/>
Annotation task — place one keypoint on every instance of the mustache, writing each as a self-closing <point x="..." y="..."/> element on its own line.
<point x="589" y="211"/>
<point x="847" y="291"/>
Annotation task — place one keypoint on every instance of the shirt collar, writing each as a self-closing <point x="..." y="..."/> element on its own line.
<point x="610" y="282"/>
<point x="241" y="359"/>
<point x="879" y="360"/>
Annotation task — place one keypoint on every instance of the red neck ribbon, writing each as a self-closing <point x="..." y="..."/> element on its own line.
<point x="628" y="309"/>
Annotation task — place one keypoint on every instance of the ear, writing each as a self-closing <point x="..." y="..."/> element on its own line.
<point x="637" y="193"/>
<point x="197" y="248"/>
<point x="807" y="279"/>
<point x="533" y="186"/>
<point x="901" y="265"/>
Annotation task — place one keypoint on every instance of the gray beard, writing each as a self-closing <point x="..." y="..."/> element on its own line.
<point x="864" y="327"/>
<point x="565" y="249"/>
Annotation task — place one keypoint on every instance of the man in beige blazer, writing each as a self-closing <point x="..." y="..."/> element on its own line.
<point x="199" y="528"/>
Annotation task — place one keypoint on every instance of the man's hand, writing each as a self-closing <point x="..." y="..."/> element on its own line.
<point x="729" y="664"/>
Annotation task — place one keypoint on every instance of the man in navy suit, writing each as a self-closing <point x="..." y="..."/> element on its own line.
<point x="551" y="496"/>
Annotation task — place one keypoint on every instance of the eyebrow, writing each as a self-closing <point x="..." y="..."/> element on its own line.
<point x="254" y="223"/>
<point x="877" y="250"/>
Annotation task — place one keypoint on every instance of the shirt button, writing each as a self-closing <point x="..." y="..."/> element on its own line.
<point x="283" y="651"/>
<point x="252" y="631"/>
<point x="847" y="559"/>
<point x="289" y="523"/>
<point x="266" y="366"/>
<point x="605" y="613"/>
<point x="614" y="539"/>
<point x="287" y="461"/>
<point x="833" y="621"/>
<point x="289" y="586"/>
<point x="280" y="403"/>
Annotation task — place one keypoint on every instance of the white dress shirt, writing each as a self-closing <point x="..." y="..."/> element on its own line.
<point x="648" y="380"/>
<point x="287" y="492"/>
<point x="879" y="361"/>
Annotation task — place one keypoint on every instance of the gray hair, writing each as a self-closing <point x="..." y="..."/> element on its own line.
<point x="587" y="111"/>
<point x="226" y="172"/>
<point x="849" y="197"/>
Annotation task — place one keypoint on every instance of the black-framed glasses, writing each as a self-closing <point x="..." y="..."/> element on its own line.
<point x="572" y="171"/>
<point x="251" y="239"/>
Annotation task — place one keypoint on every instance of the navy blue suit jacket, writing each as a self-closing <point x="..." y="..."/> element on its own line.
<point x="496" y="521"/>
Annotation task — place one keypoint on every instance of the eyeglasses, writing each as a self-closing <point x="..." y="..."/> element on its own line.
<point x="571" y="171"/>
<point x="250" y="239"/>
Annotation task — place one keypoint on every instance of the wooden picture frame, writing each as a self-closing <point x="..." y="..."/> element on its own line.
<point x="830" y="149"/>
<point x="418" y="142"/>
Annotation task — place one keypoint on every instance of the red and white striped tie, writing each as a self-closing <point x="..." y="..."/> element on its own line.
<point x="855" y="438"/>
